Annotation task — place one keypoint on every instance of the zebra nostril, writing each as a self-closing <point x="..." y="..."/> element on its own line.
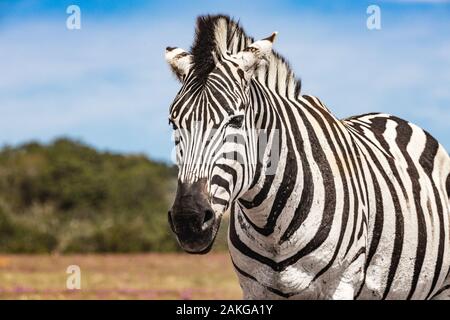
<point x="172" y="226"/>
<point x="208" y="219"/>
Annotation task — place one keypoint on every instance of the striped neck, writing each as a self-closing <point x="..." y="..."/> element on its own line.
<point x="262" y="203"/>
<point x="284" y="188"/>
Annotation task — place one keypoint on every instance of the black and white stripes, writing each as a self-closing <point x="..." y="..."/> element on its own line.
<point x="320" y="207"/>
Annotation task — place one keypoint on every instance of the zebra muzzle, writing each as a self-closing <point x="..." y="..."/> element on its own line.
<point x="192" y="219"/>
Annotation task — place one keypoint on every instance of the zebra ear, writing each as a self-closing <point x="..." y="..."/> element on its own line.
<point x="251" y="57"/>
<point x="179" y="60"/>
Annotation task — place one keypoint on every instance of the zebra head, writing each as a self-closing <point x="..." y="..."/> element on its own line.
<point x="214" y="132"/>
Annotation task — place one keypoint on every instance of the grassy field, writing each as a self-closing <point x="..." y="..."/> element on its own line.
<point x="131" y="276"/>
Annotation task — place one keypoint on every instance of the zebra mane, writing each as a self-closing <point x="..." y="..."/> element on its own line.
<point x="217" y="34"/>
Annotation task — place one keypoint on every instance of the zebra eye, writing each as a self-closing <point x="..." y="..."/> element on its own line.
<point x="236" y="121"/>
<point x="171" y="123"/>
<point x="176" y="137"/>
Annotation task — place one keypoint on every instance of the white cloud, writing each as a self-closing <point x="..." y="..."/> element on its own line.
<point x="78" y="82"/>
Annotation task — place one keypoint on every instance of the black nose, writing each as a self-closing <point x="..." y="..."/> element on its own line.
<point x="208" y="219"/>
<point x="191" y="222"/>
<point x="191" y="217"/>
<point x="172" y="227"/>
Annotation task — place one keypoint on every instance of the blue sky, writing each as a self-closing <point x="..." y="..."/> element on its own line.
<point x="108" y="85"/>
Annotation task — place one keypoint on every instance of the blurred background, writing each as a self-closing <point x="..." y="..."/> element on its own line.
<point x="86" y="175"/>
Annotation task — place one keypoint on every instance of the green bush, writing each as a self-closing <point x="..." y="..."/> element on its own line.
<point x="18" y="235"/>
<point x="68" y="197"/>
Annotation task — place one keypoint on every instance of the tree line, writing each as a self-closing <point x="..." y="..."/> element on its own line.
<point x="68" y="197"/>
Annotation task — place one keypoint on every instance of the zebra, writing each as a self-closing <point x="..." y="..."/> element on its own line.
<point x="325" y="208"/>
